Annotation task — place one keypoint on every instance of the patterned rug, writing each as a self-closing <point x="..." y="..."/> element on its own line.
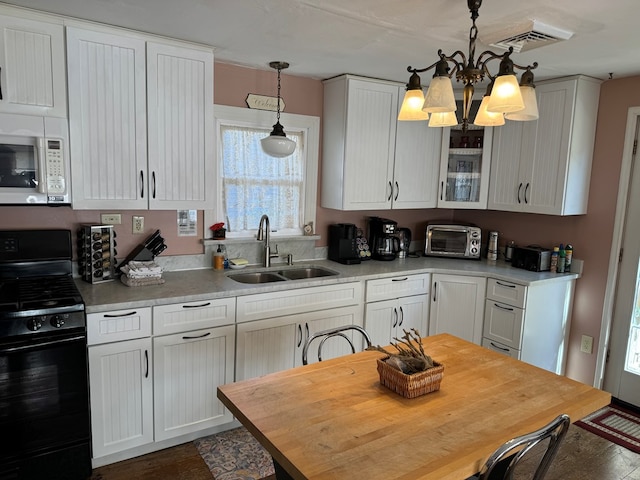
<point x="615" y="423"/>
<point x="235" y="455"/>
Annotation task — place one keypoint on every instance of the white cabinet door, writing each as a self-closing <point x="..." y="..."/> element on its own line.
<point x="180" y="116"/>
<point x="448" y="314"/>
<point x="107" y="120"/>
<point x="33" y="79"/>
<point x="544" y="166"/>
<point x="266" y="346"/>
<point x="188" y="368"/>
<point x="120" y="379"/>
<point x="387" y="319"/>
<point x="274" y="344"/>
<point x="359" y="131"/>
<point x="416" y="164"/>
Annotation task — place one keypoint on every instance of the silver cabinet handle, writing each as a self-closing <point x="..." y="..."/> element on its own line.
<point x="505" y="285"/>
<point x="141" y="184"/>
<point x="441" y="189"/>
<point x="153" y="181"/>
<point x="397" y="192"/>
<point x="146" y="361"/>
<point x="526" y="189"/>
<point x="435" y="286"/>
<point x="399" y="279"/>
<point x="300" y="332"/>
<point x="395" y="317"/>
<point x="401" y="317"/>
<point x="390" y="191"/>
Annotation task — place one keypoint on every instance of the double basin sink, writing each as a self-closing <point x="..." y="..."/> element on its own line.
<point x="282" y="274"/>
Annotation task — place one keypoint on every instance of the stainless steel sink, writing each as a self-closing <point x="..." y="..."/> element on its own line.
<point x="281" y="275"/>
<point x="256" y="277"/>
<point x="306" y="272"/>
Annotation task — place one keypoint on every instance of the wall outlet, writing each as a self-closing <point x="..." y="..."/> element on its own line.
<point x="586" y="345"/>
<point x="111" y="219"/>
<point x="138" y="224"/>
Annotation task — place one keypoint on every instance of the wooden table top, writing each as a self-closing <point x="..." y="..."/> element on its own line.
<point x="333" y="419"/>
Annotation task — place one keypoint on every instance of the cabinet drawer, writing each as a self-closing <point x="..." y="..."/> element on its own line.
<point x="506" y="292"/>
<point x="182" y="317"/>
<point x="395" y="287"/>
<point x="289" y="302"/>
<point x="503" y="323"/>
<point x="118" y="325"/>
<point x="498" y="347"/>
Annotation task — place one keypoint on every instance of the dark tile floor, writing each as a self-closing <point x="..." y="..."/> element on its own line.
<point x="585" y="456"/>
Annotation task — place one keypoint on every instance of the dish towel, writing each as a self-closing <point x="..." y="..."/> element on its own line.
<point x="138" y="274"/>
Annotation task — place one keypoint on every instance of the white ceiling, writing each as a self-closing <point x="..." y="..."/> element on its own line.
<point x="376" y="38"/>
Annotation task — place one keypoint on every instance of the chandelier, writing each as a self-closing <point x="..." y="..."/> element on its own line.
<point x="504" y="97"/>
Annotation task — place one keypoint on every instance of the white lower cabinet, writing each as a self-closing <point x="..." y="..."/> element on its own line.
<point x="188" y="368"/>
<point x="457" y="306"/>
<point x="275" y="344"/>
<point x="529" y="322"/>
<point x="272" y="327"/>
<point x="149" y="387"/>
<point x="402" y="304"/>
<point x="121" y="390"/>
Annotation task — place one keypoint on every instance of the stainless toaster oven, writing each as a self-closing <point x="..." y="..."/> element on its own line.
<point x="454" y="241"/>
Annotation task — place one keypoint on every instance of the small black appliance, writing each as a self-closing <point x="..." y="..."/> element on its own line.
<point x="342" y="243"/>
<point x="533" y="258"/>
<point x="382" y="238"/>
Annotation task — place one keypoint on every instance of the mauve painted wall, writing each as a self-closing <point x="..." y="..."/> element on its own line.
<point x="590" y="234"/>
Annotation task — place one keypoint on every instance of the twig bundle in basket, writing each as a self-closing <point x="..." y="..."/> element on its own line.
<point x="409" y="358"/>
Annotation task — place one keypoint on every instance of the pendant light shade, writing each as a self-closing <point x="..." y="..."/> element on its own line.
<point x="277" y="144"/>
<point x="506" y="96"/>
<point x="440" y="97"/>
<point x="411" y="108"/>
<point x="528" y="91"/>
<point x="443" y="119"/>
<point x="488" y="119"/>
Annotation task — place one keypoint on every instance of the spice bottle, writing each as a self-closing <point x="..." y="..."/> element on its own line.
<point x="569" y="257"/>
<point x="218" y="259"/>
<point x="562" y="257"/>
<point x="554" y="260"/>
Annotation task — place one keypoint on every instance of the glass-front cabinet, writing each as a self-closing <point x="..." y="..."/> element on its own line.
<point x="464" y="167"/>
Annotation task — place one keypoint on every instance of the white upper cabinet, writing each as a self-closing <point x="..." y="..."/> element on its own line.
<point x="140" y="122"/>
<point x="544" y="166"/>
<point x="416" y="163"/>
<point x="359" y="131"/>
<point x="32" y="63"/>
<point x="107" y="120"/>
<point x="180" y="130"/>
<point x="370" y="160"/>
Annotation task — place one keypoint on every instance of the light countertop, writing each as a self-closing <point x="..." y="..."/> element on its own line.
<point x="206" y="284"/>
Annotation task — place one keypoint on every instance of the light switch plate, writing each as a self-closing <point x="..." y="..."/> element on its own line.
<point x="111" y="219"/>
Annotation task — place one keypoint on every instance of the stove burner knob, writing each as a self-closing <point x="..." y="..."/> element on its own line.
<point x="57" y="321"/>
<point x="34" y="323"/>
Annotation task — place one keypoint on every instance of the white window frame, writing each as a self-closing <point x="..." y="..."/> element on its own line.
<point x="246" y="117"/>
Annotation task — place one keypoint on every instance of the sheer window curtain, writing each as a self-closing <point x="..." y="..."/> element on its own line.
<point x="254" y="183"/>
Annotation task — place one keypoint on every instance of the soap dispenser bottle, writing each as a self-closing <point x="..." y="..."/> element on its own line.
<point x="218" y="259"/>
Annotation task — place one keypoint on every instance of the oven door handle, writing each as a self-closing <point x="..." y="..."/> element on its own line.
<point x="31" y="346"/>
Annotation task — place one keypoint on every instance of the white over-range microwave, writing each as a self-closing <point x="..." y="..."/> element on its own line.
<point x="34" y="160"/>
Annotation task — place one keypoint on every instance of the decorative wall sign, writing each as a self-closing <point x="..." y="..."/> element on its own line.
<point x="263" y="102"/>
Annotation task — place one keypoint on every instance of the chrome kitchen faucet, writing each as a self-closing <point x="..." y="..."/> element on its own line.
<point x="264" y="225"/>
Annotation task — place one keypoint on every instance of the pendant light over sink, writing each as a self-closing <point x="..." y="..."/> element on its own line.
<point x="505" y="97"/>
<point x="277" y="144"/>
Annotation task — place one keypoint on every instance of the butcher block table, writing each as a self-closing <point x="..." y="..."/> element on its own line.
<point x="333" y="419"/>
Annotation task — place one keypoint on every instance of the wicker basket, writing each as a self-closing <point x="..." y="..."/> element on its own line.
<point x="410" y="386"/>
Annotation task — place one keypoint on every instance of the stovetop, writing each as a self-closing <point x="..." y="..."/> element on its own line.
<point x="41" y="294"/>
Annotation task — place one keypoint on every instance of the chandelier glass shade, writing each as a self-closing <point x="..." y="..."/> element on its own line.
<point x="277" y="144"/>
<point x="506" y="97"/>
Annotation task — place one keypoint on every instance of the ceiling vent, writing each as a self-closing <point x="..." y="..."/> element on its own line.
<point x="526" y="36"/>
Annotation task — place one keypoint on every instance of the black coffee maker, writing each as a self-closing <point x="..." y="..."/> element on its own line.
<point x="382" y="238"/>
<point x="342" y="243"/>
